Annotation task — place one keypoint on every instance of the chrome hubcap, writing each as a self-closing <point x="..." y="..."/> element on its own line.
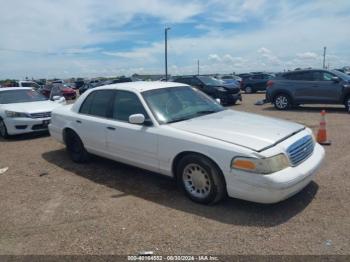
<point x="196" y="180"/>
<point x="248" y="89"/>
<point x="281" y="102"/>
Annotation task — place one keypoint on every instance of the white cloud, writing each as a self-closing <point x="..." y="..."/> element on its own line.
<point x="308" y="56"/>
<point x="68" y="37"/>
<point x="264" y="50"/>
<point x="214" y="58"/>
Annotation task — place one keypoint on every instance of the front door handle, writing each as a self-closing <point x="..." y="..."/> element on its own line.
<point x="111" y="128"/>
<point x="78" y="121"/>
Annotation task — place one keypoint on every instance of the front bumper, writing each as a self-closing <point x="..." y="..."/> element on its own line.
<point x="230" y="98"/>
<point x="16" y="126"/>
<point x="278" y="186"/>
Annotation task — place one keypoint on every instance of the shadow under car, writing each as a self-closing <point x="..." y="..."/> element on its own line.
<point x="164" y="191"/>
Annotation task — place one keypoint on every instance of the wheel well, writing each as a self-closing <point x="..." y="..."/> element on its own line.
<point x="186" y="153"/>
<point x="66" y="132"/>
<point x="347" y="96"/>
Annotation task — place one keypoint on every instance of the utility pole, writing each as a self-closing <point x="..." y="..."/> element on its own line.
<point x="324" y="57"/>
<point x="166" y="52"/>
<point x="198" y="67"/>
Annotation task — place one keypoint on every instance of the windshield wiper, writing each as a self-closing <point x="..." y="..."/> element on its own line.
<point x="206" y="112"/>
<point x="199" y="113"/>
<point x="179" y="119"/>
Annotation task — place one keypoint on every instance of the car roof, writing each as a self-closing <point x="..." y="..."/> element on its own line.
<point x="305" y="70"/>
<point x="14" y="88"/>
<point x="140" y="86"/>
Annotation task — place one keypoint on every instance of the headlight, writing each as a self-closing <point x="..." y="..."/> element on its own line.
<point x="221" y="89"/>
<point x="15" y="114"/>
<point x="261" y="165"/>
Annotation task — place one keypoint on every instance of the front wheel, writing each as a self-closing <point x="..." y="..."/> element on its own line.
<point x="282" y="102"/>
<point x="201" y="179"/>
<point x="3" y="129"/>
<point x="249" y="90"/>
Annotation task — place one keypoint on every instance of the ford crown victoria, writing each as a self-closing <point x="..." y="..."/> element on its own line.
<point x="178" y="131"/>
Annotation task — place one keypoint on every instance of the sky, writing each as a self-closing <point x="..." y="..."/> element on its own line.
<point x="90" y="38"/>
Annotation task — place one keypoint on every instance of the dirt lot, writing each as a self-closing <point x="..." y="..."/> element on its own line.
<point x="49" y="205"/>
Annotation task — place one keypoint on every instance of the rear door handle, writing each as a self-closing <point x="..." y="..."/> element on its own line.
<point x="78" y="121"/>
<point x="111" y="128"/>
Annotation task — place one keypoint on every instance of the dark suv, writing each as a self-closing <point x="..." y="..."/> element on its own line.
<point x="309" y="87"/>
<point x="255" y="82"/>
<point x="228" y="94"/>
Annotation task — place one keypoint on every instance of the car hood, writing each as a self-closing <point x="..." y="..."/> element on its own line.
<point x="32" y="107"/>
<point x="244" y="129"/>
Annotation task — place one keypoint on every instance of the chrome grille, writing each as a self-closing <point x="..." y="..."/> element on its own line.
<point x="300" y="150"/>
<point x="41" y="115"/>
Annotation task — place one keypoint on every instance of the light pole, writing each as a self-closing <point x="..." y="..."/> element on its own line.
<point x="324" y="57"/>
<point x="198" y="67"/>
<point x="166" y="52"/>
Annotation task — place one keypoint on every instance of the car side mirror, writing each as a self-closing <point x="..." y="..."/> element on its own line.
<point x="335" y="79"/>
<point x="137" y="119"/>
<point x="218" y="100"/>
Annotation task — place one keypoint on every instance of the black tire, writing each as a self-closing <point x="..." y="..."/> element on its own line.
<point x="249" y="90"/>
<point x="347" y="104"/>
<point x="75" y="148"/>
<point x="282" y="101"/>
<point x="212" y="174"/>
<point x="3" y="129"/>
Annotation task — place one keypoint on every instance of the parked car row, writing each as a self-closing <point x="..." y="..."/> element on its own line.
<point x="96" y="83"/>
<point x="228" y="94"/>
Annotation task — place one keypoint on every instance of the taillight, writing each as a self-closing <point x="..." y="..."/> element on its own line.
<point x="269" y="84"/>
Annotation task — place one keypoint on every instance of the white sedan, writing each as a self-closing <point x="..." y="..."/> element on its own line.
<point x="178" y="131"/>
<point x="23" y="110"/>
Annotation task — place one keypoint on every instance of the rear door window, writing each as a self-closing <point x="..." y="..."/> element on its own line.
<point x="98" y="103"/>
<point x="300" y="76"/>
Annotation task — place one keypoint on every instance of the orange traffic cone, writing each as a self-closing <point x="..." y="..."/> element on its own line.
<point x="322" y="131"/>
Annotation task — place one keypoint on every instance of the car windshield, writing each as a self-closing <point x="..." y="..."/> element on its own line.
<point x="20" y="96"/>
<point x="210" y="81"/>
<point x="176" y="104"/>
<point x="341" y="75"/>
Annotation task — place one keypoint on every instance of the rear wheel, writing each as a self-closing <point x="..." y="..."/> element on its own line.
<point x="282" y="102"/>
<point x="75" y="148"/>
<point x="249" y="90"/>
<point x="201" y="179"/>
<point x="3" y="129"/>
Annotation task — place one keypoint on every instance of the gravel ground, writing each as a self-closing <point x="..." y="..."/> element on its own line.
<point x="49" y="205"/>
